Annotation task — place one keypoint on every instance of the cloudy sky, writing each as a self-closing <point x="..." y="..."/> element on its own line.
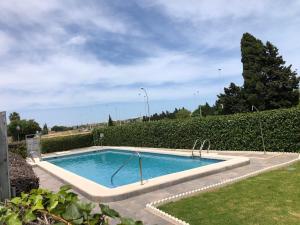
<point x="73" y="61"/>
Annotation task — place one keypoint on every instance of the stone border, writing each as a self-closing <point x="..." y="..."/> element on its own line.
<point x="96" y="192"/>
<point x="152" y="206"/>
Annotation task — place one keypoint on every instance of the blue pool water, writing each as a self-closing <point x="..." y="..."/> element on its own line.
<point x="100" y="165"/>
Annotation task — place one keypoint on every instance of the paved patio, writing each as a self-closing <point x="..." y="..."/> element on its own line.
<point x="135" y="207"/>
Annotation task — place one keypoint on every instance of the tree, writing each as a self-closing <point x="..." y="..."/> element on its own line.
<point x="253" y="59"/>
<point x="205" y="110"/>
<point x="110" y="121"/>
<point x="60" y="128"/>
<point x="14" y="116"/>
<point x="26" y="127"/>
<point x="45" y="129"/>
<point x="182" y="113"/>
<point x="281" y="82"/>
<point x="268" y="83"/>
<point x="232" y="101"/>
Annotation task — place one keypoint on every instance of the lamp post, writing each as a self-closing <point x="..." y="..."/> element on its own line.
<point x="197" y="94"/>
<point x="144" y="112"/>
<point x="261" y="131"/>
<point x="18" y="128"/>
<point x="147" y="101"/>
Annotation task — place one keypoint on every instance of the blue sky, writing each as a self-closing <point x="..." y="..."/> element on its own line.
<point x="74" y="62"/>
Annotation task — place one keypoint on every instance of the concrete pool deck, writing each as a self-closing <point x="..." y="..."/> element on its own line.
<point x="135" y="207"/>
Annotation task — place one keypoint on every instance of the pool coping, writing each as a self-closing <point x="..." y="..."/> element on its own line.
<point x="96" y="192"/>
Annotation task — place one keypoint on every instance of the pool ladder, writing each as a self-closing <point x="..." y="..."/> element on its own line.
<point x="201" y="147"/>
<point x="125" y="163"/>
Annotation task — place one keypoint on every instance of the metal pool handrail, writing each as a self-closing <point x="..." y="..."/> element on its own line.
<point x="201" y="147"/>
<point x="194" y="146"/>
<point x="125" y="163"/>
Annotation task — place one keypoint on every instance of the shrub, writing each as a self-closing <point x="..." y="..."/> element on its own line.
<point x="62" y="143"/>
<point x="26" y="127"/>
<point x="22" y="177"/>
<point x="281" y="130"/>
<point x="18" y="148"/>
<point x="45" y="207"/>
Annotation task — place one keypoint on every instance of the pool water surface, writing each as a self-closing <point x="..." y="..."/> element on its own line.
<point x="99" y="166"/>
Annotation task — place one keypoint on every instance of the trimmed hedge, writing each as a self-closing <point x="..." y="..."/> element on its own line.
<point x="281" y="130"/>
<point x="22" y="177"/>
<point x="18" y="148"/>
<point x="63" y="143"/>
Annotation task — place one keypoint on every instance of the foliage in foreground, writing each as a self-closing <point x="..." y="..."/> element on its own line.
<point x="61" y="208"/>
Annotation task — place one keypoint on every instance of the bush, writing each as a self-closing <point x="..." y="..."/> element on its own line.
<point x="62" y="143"/>
<point x="22" y="177"/>
<point x="45" y="207"/>
<point x="18" y="148"/>
<point x="26" y="127"/>
<point x="281" y="130"/>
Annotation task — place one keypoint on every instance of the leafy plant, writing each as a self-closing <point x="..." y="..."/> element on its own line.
<point x="41" y="206"/>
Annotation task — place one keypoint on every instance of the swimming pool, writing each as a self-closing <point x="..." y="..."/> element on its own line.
<point x="100" y="166"/>
<point x="89" y="170"/>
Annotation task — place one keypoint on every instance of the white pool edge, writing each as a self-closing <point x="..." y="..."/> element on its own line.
<point x="97" y="192"/>
<point x="153" y="206"/>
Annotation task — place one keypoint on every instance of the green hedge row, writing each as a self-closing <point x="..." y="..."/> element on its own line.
<point x="281" y="129"/>
<point x="18" y="148"/>
<point x="63" y="143"/>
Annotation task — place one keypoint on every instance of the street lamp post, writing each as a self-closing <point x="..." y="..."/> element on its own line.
<point x="18" y="128"/>
<point x="261" y="131"/>
<point x="200" y="110"/>
<point x="147" y="100"/>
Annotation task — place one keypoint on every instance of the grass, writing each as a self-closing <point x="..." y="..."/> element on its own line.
<point x="272" y="198"/>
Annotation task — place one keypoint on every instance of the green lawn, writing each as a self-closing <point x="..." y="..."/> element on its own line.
<point x="272" y="198"/>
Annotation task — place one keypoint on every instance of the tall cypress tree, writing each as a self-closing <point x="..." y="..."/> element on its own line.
<point x="268" y="83"/>
<point x="282" y="83"/>
<point x="253" y="59"/>
<point x="110" y="121"/>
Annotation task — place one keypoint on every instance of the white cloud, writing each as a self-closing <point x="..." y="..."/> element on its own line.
<point x="58" y="13"/>
<point x="47" y="71"/>
<point x="206" y="10"/>
<point x="68" y="80"/>
<point x="77" y="40"/>
<point x="6" y="42"/>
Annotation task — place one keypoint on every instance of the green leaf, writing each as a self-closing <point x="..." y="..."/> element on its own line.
<point x="29" y="216"/>
<point x="13" y="219"/>
<point x="16" y="200"/>
<point x="53" y="202"/>
<point x="72" y="212"/>
<point x="65" y="188"/>
<point x="128" y="221"/>
<point x="38" y="205"/>
<point x="108" y="211"/>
